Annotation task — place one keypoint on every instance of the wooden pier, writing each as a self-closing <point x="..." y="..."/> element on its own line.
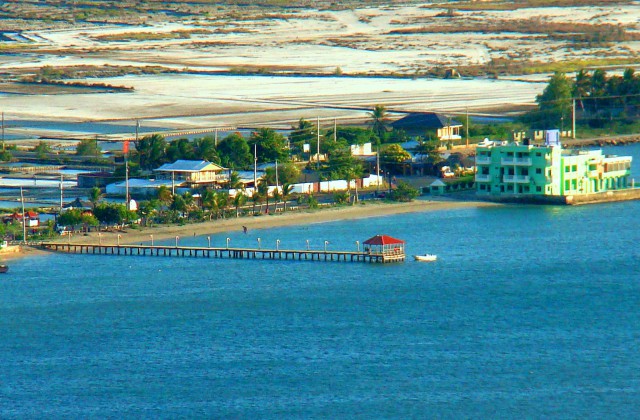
<point x="369" y="256"/>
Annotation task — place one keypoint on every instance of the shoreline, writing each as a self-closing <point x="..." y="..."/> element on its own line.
<point x="361" y="211"/>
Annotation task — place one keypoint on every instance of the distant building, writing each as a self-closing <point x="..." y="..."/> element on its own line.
<point x="31" y="218"/>
<point x="95" y="179"/>
<point x="421" y="123"/>
<point x="507" y="169"/>
<point x="144" y="187"/>
<point x="362" y="150"/>
<point x="194" y="173"/>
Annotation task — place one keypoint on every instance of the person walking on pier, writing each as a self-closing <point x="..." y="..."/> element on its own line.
<point x="244" y="229"/>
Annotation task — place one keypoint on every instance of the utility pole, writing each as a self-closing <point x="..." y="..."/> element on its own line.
<point x="24" y="226"/>
<point x="318" y="129"/>
<point x="61" y="188"/>
<point x="467" y="127"/>
<point x="255" y="168"/>
<point x="573" y="118"/>
<point x="335" y="129"/>
<point x="126" y="181"/>
<point x="377" y="170"/>
<point x="3" y="131"/>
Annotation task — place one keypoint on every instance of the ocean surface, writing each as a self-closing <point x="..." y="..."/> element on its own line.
<point x="530" y="311"/>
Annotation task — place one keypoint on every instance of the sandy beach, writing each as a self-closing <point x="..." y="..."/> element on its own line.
<point x="370" y="209"/>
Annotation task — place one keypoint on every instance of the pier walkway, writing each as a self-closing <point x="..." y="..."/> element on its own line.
<point x="369" y="256"/>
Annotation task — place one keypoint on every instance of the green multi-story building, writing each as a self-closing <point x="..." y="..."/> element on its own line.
<point x="508" y="169"/>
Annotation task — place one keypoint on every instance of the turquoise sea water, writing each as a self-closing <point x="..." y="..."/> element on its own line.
<point x="530" y="311"/>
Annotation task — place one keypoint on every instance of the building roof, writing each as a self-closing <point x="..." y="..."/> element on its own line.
<point x="383" y="240"/>
<point x="147" y="183"/>
<point x="437" y="183"/>
<point x="425" y="120"/>
<point x="30" y="215"/>
<point x="190" y="166"/>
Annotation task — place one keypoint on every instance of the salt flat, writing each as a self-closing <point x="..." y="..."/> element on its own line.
<point x="360" y="41"/>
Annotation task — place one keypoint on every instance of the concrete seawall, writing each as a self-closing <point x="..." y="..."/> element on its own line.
<point x="569" y="200"/>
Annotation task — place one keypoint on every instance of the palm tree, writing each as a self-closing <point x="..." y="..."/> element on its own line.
<point x="277" y="196"/>
<point x="164" y="195"/>
<point x="223" y="201"/>
<point x="378" y="120"/>
<point x="95" y="195"/>
<point x="238" y="201"/>
<point x="257" y="199"/>
<point x="353" y="173"/>
<point x="209" y="201"/>
<point x="263" y="190"/>
<point x="286" y="194"/>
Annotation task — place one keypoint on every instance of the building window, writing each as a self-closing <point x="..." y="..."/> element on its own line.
<point x="483" y="187"/>
<point x="539" y="189"/>
<point x="566" y="185"/>
<point x="538" y="154"/>
<point x="538" y="170"/>
<point x="574" y="168"/>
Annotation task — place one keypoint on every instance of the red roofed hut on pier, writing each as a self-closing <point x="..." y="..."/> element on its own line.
<point x="391" y="249"/>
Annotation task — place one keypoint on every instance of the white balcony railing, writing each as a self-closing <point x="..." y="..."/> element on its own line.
<point x="518" y="179"/>
<point x="516" y="161"/>
<point x="483" y="178"/>
<point x="483" y="160"/>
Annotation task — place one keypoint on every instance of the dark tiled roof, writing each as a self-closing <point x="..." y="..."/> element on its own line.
<point x="424" y="120"/>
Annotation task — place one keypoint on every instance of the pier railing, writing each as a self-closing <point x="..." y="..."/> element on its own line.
<point x="229" y="253"/>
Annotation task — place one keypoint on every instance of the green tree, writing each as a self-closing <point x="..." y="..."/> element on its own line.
<point x="263" y="191"/>
<point x="429" y="151"/>
<point x="88" y="147"/>
<point x="342" y="163"/>
<point x="111" y="214"/>
<point x="393" y="156"/>
<point x="302" y="133"/>
<point x="239" y="200"/>
<point x="271" y="146"/>
<point x="164" y="195"/>
<point x="205" y="149"/>
<point x="404" y="192"/>
<point x="378" y="121"/>
<point x="286" y="194"/>
<point x="95" y="195"/>
<point x="180" y="149"/>
<point x="41" y="149"/>
<point x="234" y="152"/>
<point x="288" y="173"/>
<point x="256" y="198"/>
<point x="6" y="156"/>
<point x="75" y="217"/>
<point x="151" y="151"/>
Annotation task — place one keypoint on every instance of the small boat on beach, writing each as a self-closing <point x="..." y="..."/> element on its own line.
<point x="425" y="257"/>
<point x="4" y="268"/>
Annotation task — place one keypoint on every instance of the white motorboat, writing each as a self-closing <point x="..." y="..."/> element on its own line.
<point x="426" y="257"/>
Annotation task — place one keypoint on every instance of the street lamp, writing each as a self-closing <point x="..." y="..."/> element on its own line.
<point x="119" y="236"/>
<point x="358" y="245"/>
<point x="209" y="241"/>
<point x="228" y="239"/>
<point x="307" y="244"/>
<point x="259" y="243"/>
<point x="325" y="245"/>
<point x="277" y="244"/>
<point x="177" y="237"/>
<point x="151" y="236"/>
<point x="99" y="238"/>
<point x="69" y="237"/>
